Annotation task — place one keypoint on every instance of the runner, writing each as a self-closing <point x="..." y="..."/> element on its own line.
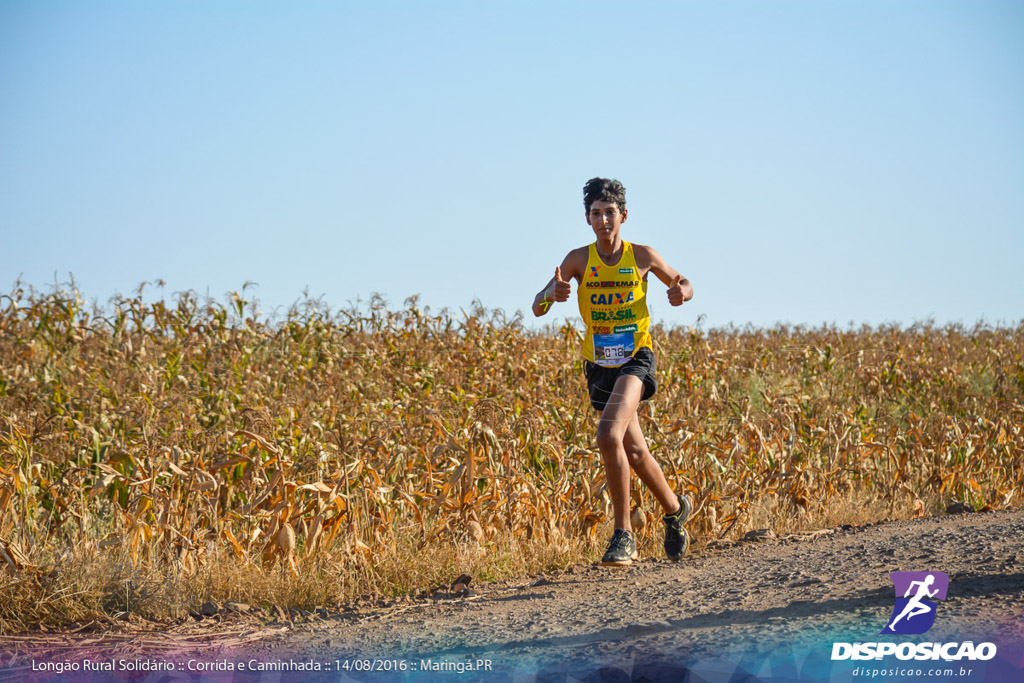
<point x="611" y="277"/>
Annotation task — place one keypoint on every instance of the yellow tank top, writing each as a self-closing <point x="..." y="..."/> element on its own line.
<point x="613" y="303"/>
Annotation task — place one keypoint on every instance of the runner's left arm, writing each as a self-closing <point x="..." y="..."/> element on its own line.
<point x="679" y="288"/>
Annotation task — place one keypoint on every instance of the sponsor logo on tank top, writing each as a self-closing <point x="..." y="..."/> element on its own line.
<point x="619" y="284"/>
<point x="612" y="316"/>
<point x="611" y="299"/>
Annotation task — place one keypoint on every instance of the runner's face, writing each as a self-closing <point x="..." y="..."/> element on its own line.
<point x="605" y="218"/>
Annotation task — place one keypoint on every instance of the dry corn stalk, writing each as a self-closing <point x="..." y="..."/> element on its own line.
<point x="184" y="425"/>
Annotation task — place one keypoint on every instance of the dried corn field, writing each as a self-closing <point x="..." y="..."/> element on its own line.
<point x="155" y="455"/>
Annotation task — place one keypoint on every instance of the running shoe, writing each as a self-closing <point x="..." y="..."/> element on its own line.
<point x="676" y="538"/>
<point x="621" y="551"/>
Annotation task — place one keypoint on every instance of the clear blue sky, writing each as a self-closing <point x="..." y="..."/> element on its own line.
<point x="803" y="161"/>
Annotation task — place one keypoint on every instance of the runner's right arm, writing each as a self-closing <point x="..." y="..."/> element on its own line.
<point x="558" y="287"/>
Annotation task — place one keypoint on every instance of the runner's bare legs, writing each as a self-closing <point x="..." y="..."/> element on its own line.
<point x="647" y="468"/>
<point x="623" y="447"/>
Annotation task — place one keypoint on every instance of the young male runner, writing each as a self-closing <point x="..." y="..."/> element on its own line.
<point x="611" y="275"/>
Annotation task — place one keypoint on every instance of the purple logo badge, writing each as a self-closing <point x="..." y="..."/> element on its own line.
<point x="914" y="611"/>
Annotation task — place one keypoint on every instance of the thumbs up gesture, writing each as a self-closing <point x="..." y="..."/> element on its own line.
<point x="559" y="288"/>
<point x="676" y="295"/>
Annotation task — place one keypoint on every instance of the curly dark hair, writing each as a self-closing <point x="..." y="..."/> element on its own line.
<point x="604" y="190"/>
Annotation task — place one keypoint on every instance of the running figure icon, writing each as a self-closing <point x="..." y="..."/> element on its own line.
<point x="915" y="606"/>
<point x="914" y="612"/>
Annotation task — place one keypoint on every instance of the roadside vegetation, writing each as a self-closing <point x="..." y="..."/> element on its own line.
<point x="154" y="456"/>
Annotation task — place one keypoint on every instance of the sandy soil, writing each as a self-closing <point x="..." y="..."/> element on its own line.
<point x="761" y="610"/>
<point x="791" y="593"/>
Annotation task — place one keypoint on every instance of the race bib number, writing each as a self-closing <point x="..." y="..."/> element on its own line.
<point x="611" y="350"/>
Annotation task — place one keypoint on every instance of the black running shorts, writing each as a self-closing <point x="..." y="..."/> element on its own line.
<point x="601" y="380"/>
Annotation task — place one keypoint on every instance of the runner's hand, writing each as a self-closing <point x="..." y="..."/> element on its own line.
<point x="560" y="288"/>
<point x="675" y="292"/>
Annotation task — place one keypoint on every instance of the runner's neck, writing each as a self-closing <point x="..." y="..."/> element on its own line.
<point x="610" y="252"/>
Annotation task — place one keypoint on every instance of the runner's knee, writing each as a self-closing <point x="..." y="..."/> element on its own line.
<point x="608" y="436"/>
<point x="635" y="454"/>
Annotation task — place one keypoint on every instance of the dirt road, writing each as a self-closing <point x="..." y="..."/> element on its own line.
<point x="758" y="610"/>
<point x="771" y="608"/>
